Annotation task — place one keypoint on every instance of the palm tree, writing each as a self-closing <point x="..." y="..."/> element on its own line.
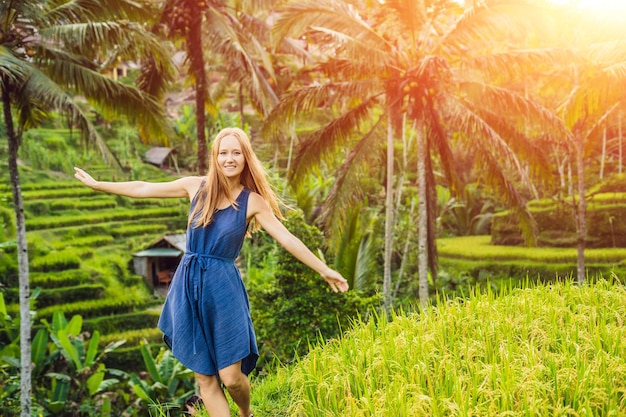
<point x="230" y="37"/>
<point x="584" y="95"/>
<point x="433" y="62"/>
<point x="593" y="102"/>
<point x="50" y="52"/>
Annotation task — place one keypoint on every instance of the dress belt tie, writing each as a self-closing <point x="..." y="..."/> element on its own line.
<point x="193" y="283"/>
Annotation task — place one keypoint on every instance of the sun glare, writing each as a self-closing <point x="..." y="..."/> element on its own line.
<point x="596" y="6"/>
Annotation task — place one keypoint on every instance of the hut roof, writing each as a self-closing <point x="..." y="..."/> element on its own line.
<point x="158" y="155"/>
<point x="165" y="246"/>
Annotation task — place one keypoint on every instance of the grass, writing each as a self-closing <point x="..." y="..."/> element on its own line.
<point x="547" y="351"/>
<point x="480" y="248"/>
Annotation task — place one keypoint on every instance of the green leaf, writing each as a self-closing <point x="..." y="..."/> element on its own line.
<point x="3" y="308"/>
<point x="150" y="364"/>
<point x="39" y="347"/>
<point x="92" y="350"/>
<point x="69" y="349"/>
<point x="56" y="406"/>
<point x="75" y="325"/>
<point x="58" y="320"/>
<point x="60" y="389"/>
<point x="140" y="388"/>
<point x="95" y="381"/>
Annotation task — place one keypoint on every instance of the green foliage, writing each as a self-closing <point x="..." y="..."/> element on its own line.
<point x="56" y="261"/>
<point x="94" y="308"/>
<point x="122" y="322"/>
<point x="167" y="382"/>
<point x="9" y="361"/>
<point x="557" y="225"/>
<point x="99" y="217"/>
<point x="481" y="248"/>
<point x="303" y="308"/>
<point x="69" y="377"/>
<point x="66" y="278"/>
<point x="54" y="296"/>
<point x="137" y="229"/>
<point x="469" y="215"/>
<point x="7" y="223"/>
<point x="549" y="350"/>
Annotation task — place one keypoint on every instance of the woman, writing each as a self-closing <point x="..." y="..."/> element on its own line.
<point x="206" y="316"/>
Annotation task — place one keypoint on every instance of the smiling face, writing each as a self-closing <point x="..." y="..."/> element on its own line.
<point x="230" y="158"/>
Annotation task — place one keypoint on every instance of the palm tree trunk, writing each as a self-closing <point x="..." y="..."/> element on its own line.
<point x="603" y="157"/>
<point x="619" y="138"/>
<point x="22" y="259"/>
<point x="422" y="238"/>
<point x="581" y="218"/>
<point x="197" y="62"/>
<point x="388" y="220"/>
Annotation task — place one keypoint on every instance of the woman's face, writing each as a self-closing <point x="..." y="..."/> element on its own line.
<point x="230" y="157"/>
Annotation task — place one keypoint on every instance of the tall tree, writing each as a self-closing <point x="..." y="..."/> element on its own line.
<point x="441" y="66"/>
<point x="51" y="52"/>
<point x="228" y="37"/>
<point x="582" y="90"/>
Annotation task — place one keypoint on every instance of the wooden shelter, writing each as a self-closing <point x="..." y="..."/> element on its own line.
<point x="158" y="261"/>
<point x="162" y="157"/>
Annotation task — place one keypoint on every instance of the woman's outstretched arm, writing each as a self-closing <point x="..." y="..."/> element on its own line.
<point x="261" y="211"/>
<point x="182" y="187"/>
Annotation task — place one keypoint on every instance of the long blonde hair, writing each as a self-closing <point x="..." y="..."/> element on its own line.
<point x="216" y="186"/>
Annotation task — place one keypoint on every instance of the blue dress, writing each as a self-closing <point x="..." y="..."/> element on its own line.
<point x="206" y="316"/>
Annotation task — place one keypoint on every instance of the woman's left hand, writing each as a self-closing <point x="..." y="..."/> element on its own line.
<point x="336" y="281"/>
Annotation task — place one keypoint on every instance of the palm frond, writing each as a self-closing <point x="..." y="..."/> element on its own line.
<point x="346" y="190"/>
<point x="114" y="97"/>
<point x="489" y="97"/>
<point x="616" y="72"/>
<point x="604" y="53"/>
<point x="12" y="68"/>
<point x="495" y="158"/>
<point x="596" y="128"/>
<point x="343" y="68"/>
<point x="488" y="21"/>
<point x="518" y="63"/>
<point x="338" y="20"/>
<point x="74" y="11"/>
<point x="307" y="99"/>
<point x="39" y="91"/>
<point x="246" y="59"/>
<point x="323" y="142"/>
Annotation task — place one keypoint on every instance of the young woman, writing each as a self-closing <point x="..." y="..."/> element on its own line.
<point x="206" y="316"/>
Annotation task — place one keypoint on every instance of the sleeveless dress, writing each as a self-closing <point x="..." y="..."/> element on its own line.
<point x="206" y="316"/>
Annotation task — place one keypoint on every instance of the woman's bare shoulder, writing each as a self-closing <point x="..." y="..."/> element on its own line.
<point x="191" y="184"/>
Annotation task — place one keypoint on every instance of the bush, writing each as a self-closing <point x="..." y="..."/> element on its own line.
<point x="300" y="309"/>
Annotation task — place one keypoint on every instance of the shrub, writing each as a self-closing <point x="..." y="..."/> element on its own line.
<point x="303" y="308"/>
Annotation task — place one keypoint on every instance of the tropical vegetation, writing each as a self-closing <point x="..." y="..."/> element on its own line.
<point x="432" y="150"/>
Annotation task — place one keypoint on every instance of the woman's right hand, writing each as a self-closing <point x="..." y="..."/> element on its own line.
<point x="85" y="178"/>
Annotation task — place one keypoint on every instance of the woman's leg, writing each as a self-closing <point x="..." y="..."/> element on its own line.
<point x="238" y="387"/>
<point x="212" y="396"/>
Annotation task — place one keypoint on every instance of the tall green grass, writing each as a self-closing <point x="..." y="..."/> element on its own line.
<point x="552" y="350"/>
